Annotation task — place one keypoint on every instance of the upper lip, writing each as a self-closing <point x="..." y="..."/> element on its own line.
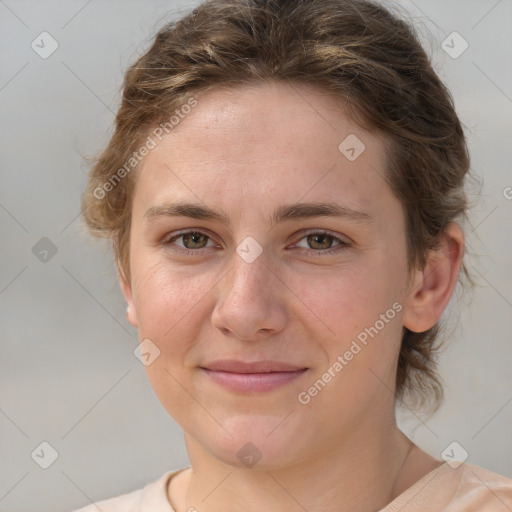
<point x="233" y="366"/>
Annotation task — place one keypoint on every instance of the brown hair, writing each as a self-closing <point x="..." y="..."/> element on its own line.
<point x="358" y="50"/>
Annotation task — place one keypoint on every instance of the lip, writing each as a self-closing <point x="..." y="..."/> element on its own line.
<point x="258" y="376"/>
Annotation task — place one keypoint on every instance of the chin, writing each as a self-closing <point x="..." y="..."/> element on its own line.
<point x="260" y="443"/>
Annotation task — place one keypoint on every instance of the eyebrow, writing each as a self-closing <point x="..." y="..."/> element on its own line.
<point x="284" y="213"/>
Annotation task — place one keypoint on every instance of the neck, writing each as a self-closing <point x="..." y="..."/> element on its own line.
<point x="366" y="471"/>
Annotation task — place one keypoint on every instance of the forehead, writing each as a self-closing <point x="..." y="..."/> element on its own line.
<point x="255" y="145"/>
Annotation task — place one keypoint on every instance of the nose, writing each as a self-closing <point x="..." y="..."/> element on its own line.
<point x="251" y="301"/>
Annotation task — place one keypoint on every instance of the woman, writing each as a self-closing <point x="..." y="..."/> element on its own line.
<point x="283" y="191"/>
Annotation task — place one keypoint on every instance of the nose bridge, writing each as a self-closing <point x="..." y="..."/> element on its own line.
<point x="248" y="299"/>
<point x="249" y="274"/>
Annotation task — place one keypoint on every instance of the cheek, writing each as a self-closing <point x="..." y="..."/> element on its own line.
<point x="363" y="311"/>
<point x="171" y="312"/>
<point x="173" y="304"/>
<point x="170" y="306"/>
<point x="349" y="300"/>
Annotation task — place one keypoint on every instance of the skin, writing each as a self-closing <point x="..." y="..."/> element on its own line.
<point x="246" y="151"/>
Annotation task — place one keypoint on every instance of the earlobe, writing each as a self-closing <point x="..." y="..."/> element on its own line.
<point x="433" y="286"/>
<point x="126" y="288"/>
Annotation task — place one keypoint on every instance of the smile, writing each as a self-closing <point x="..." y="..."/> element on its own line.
<point x="252" y="377"/>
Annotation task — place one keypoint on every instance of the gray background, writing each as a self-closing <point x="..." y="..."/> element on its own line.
<point x="68" y="373"/>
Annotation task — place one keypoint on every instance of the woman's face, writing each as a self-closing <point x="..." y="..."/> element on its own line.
<point x="274" y="276"/>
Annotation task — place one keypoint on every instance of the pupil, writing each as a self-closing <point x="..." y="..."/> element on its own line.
<point x="194" y="238"/>
<point x="317" y="239"/>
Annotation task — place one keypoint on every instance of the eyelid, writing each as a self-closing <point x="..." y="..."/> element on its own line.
<point x="175" y="235"/>
<point x="337" y="236"/>
<point x="336" y="249"/>
<point x="343" y="244"/>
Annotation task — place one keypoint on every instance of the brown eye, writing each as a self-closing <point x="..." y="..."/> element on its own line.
<point x="194" y="240"/>
<point x="320" y="241"/>
<point x="191" y="241"/>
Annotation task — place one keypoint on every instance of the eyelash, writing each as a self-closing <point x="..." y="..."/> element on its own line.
<point x="320" y="252"/>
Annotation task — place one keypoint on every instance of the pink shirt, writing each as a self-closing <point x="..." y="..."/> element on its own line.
<point x="467" y="488"/>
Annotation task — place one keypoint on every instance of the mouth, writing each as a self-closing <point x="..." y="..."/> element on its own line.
<point x="259" y="376"/>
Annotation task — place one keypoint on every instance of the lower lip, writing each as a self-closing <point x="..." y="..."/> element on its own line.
<point x="257" y="382"/>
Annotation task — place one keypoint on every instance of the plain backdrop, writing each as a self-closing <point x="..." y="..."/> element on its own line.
<point x="68" y="373"/>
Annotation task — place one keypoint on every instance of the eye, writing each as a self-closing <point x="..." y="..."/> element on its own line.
<point x="322" y="242"/>
<point x="191" y="242"/>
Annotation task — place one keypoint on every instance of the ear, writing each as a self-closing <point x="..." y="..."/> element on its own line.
<point x="126" y="288"/>
<point x="433" y="285"/>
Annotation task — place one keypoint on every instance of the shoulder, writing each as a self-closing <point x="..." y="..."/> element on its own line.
<point x="152" y="496"/>
<point x="456" y="489"/>
<point x="129" y="502"/>
<point x="482" y="490"/>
